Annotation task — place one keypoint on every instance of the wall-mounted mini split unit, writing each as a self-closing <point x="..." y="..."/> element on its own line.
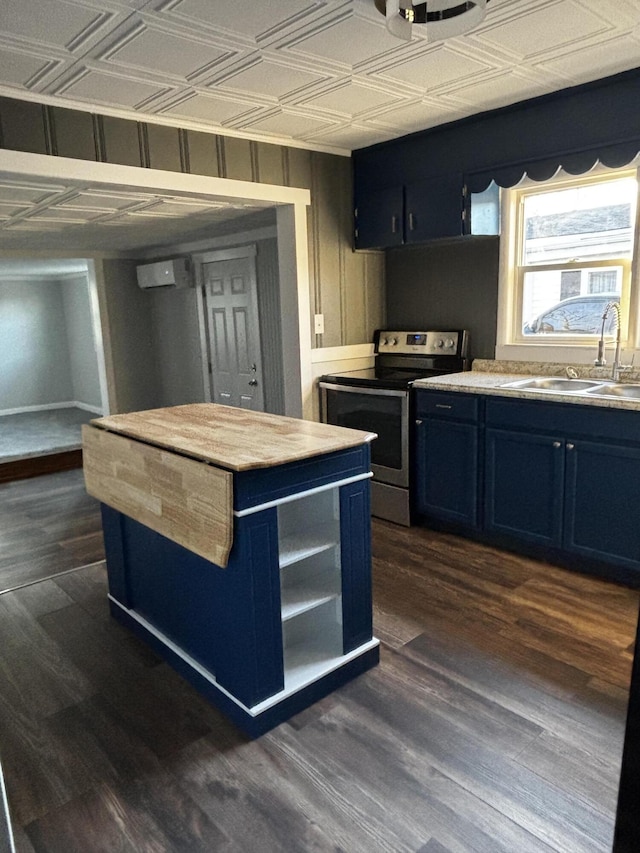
<point x="173" y="273"/>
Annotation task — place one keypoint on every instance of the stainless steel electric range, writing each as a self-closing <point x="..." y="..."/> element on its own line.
<point x="377" y="399"/>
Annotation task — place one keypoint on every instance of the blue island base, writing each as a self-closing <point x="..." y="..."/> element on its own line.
<point x="268" y="714"/>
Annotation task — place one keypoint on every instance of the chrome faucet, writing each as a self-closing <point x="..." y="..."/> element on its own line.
<point x="600" y="360"/>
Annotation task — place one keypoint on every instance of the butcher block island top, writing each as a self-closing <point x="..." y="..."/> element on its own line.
<point x="233" y="438"/>
<point x="149" y="465"/>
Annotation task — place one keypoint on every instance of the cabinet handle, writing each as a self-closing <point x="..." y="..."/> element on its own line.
<point x="558" y="444"/>
<point x="412" y="222"/>
<point x="443" y="406"/>
<point x="570" y="446"/>
<point x="394" y="224"/>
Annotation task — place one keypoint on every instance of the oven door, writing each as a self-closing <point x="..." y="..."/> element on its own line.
<point x="380" y="410"/>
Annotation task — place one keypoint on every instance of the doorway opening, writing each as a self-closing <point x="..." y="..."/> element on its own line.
<point x="143" y="202"/>
<point x="51" y="350"/>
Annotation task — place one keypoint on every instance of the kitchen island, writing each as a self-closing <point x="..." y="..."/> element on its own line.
<point x="238" y="547"/>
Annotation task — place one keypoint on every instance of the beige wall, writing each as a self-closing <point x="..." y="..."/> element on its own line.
<point x="346" y="287"/>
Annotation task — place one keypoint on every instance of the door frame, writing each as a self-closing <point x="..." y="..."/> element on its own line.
<point x="290" y="204"/>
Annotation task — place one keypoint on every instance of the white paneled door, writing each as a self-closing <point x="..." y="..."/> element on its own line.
<point x="234" y="333"/>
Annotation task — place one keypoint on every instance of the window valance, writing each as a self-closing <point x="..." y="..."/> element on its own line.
<point x="574" y="163"/>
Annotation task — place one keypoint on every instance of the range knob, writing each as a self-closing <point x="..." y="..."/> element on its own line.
<point x="449" y="343"/>
<point x="440" y="343"/>
<point x="392" y="342"/>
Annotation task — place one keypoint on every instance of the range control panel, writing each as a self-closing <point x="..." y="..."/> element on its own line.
<point x="422" y="343"/>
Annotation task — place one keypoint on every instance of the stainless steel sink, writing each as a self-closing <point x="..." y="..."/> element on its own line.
<point x="554" y="383"/>
<point x="628" y="390"/>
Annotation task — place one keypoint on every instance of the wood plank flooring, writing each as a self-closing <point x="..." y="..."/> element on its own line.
<point x="48" y="525"/>
<point x="494" y="721"/>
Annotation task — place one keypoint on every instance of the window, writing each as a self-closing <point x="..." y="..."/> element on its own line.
<point x="603" y="281"/>
<point x="571" y="244"/>
<point x="569" y="283"/>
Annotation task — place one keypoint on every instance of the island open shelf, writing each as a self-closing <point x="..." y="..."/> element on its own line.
<point x="288" y="618"/>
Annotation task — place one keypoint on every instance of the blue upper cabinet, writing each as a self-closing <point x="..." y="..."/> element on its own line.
<point x="434" y="208"/>
<point x="409" y="190"/>
<point x="412" y="213"/>
<point x="379" y="219"/>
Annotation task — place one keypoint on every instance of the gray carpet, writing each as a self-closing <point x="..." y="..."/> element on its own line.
<point x="41" y="433"/>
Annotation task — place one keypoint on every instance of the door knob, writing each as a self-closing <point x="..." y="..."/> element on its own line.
<point x="253" y="382"/>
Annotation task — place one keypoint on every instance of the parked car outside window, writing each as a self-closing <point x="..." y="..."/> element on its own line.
<point x="578" y="315"/>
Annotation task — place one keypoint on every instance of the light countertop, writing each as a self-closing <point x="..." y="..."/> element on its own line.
<point x="489" y="377"/>
<point x="233" y="438"/>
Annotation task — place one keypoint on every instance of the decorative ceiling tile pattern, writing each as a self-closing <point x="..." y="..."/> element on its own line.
<point x="83" y="212"/>
<point x="321" y="74"/>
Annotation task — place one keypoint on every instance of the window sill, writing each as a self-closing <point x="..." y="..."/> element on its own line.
<point x="558" y="353"/>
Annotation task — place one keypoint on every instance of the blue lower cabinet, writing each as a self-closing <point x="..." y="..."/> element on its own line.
<point x="601" y="521"/>
<point x="565" y="477"/>
<point x="446" y="441"/>
<point x="447" y="470"/>
<point x="551" y="479"/>
<point x="288" y="619"/>
<point x="524" y="483"/>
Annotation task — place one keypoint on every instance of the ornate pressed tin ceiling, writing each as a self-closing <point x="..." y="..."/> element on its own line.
<point x="322" y="74"/>
<point x="45" y="216"/>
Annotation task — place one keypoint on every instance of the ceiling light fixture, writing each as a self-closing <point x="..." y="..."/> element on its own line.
<point x="442" y="18"/>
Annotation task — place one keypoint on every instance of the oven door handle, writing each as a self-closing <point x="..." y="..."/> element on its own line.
<point x="355" y="389"/>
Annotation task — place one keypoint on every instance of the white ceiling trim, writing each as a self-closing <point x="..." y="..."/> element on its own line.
<point x="34" y="167"/>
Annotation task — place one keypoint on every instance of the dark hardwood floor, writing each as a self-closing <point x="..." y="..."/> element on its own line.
<point x="48" y="525"/>
<point x="494" y="721"/>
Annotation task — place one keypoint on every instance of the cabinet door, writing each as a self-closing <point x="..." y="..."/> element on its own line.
<point x="379" y="219"/>
<point x="433" y="208"/>
<point x="447" y="470"/>
<point x="601" y="519"/>
<point x="524" y="486"/>
<point x="355" y="546"/>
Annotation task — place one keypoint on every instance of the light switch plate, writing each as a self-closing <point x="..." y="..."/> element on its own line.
<point x="319" y="324"/>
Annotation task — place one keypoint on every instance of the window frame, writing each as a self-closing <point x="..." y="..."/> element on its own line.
<point x="511" y="342"/>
